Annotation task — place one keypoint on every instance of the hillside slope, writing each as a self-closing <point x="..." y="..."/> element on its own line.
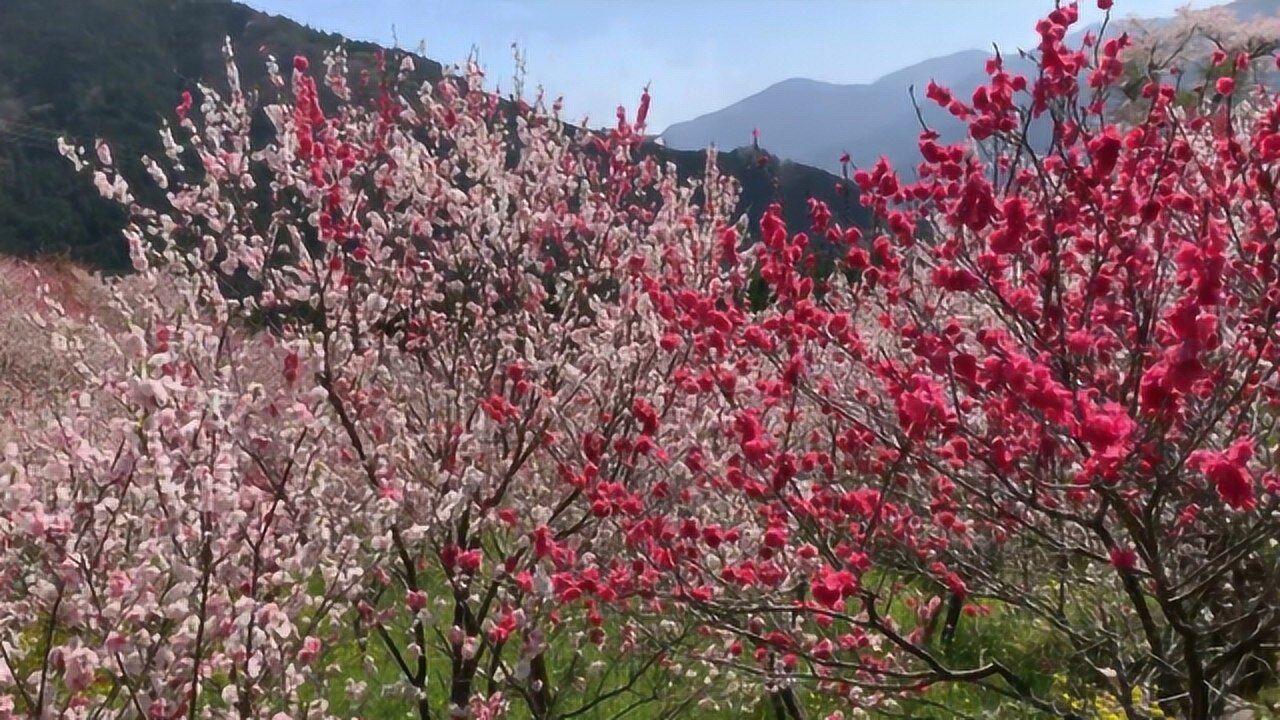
<point x="115" y="68"/>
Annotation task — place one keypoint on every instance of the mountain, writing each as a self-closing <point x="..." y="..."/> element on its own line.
<point x="815" y="122"/>
<point x="115" y="68"/>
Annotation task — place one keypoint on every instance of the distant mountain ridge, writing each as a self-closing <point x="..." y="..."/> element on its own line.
<point x="115" y="68"/>
<point x="814" y="122"/>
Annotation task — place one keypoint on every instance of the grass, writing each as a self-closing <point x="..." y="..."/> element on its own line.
<point x="676" y="694"/>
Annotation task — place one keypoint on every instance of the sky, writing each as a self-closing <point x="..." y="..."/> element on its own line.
<point x="697" y="55"/>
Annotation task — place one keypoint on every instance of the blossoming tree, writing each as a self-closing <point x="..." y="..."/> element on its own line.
<point x="502" y="409"/>
<point x="1043" y="390"/>
<point x="385" y="369"/>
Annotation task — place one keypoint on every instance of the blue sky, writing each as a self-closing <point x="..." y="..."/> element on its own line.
<point x="699" y="55"/>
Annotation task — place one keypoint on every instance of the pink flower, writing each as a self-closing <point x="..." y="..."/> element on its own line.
<point x="310" y="650"/>
<point x="81" y="664"/>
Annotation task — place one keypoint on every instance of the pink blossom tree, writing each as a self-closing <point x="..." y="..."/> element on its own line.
<point x="388" y="365"/>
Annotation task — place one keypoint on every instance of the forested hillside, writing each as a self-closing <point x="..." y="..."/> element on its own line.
<point x="115" y="69"/>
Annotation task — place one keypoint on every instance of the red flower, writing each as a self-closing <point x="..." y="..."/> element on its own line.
<point x="831" y="587"/>
<point x="184" y="107"/>
<point x="1227" y="470"/>
<point x="470" y="560"/>
<point x="923" y="407"/>
<point x="1123" y="559"/>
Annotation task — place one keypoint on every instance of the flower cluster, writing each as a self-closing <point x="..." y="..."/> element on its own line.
<point x="512" y="414"/>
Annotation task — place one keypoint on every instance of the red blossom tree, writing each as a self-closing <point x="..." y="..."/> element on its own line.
<point x="1044" y="387"/>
